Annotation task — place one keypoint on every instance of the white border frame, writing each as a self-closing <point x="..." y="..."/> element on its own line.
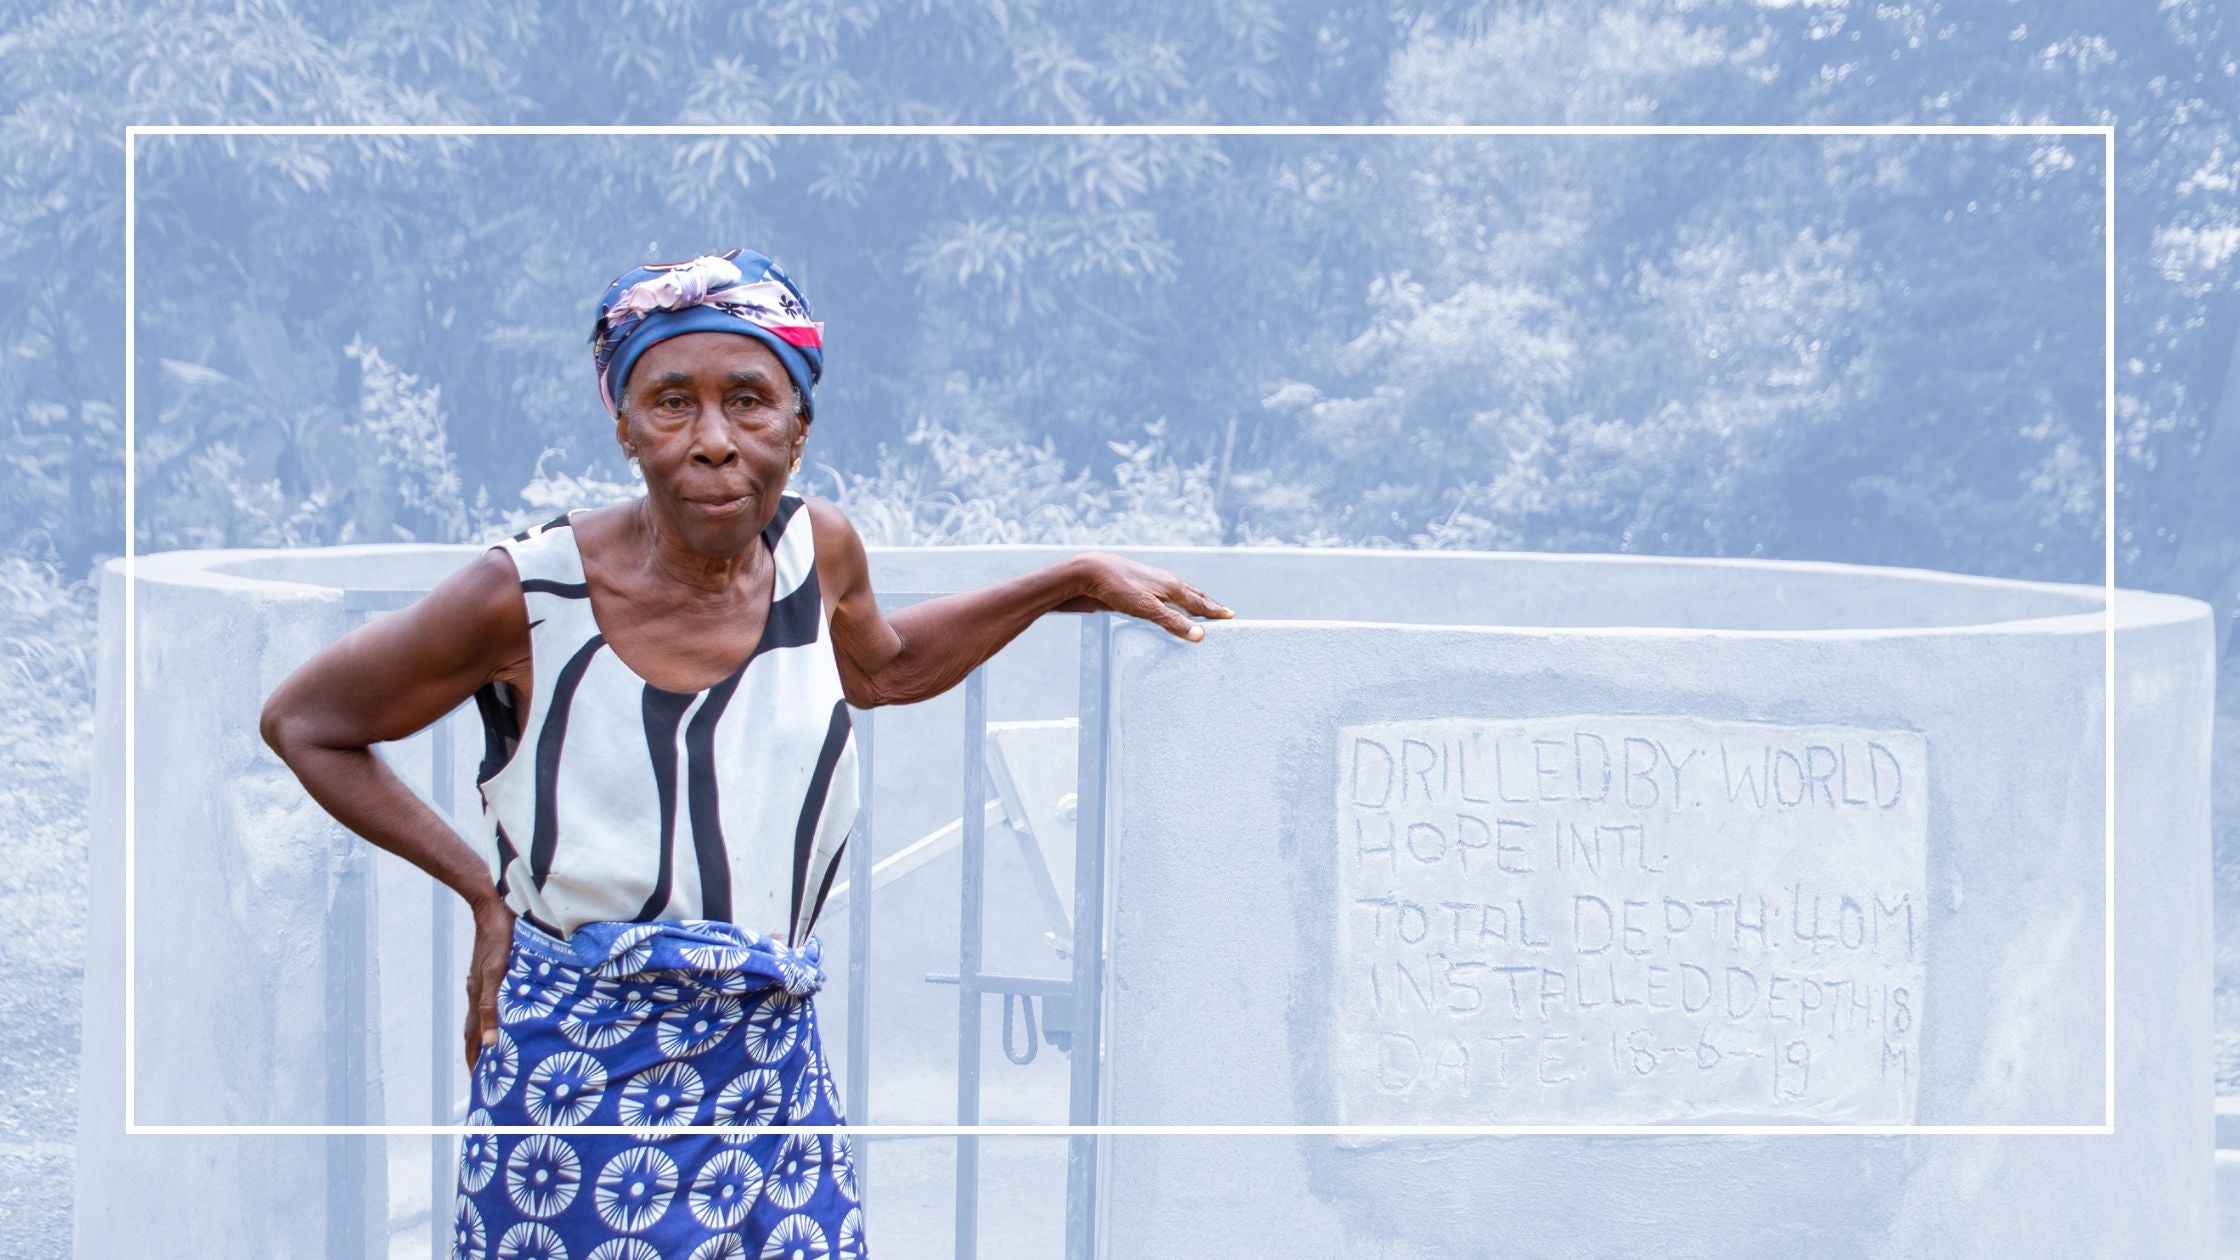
<point x="2106" y="135"/>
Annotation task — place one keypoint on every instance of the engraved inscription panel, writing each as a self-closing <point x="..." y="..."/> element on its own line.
<point x="1629" y="920"/>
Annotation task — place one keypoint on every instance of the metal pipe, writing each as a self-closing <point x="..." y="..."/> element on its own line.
<point x="859" y="952"/>
<point x="968" y="962"/>
<point x="348" y="912"/>
<point x="441" y="1173"/>
<point x="1087" y="1055"/>
<point x="346" y="1060"/>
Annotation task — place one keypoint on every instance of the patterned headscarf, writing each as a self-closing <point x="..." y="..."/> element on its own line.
<point x="737" y="291"/>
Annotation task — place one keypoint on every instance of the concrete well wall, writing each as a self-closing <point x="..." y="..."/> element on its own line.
<point x="1229" y="943"/>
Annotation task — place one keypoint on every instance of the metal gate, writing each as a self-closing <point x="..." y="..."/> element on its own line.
<point x="350" y="931"/>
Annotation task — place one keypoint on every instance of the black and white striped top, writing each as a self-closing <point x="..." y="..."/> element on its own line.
<point x="624" y="801"/>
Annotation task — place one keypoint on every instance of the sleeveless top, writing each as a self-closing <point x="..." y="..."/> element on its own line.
<point x="623" y="801"/>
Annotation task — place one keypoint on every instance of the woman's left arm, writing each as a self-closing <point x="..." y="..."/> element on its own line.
<point x="927" y="648"/>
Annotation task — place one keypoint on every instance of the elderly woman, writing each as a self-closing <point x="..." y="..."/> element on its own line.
<point x="668" y="782"/>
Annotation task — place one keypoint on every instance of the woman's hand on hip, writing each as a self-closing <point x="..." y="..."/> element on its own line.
<point x="493" y="950"/>
<point x="1113" y="583"/>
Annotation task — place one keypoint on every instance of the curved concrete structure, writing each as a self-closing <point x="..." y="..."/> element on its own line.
<point x="1354" y="834"/>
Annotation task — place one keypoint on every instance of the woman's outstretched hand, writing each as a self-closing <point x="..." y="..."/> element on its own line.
<point x="493" y="949"/>
<point x="1118" y="584"/>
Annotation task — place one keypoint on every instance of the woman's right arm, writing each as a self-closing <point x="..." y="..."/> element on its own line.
<point x="395" y="675"/>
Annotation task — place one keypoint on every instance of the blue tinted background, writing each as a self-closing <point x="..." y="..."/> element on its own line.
<point x="1860" y="348"/>
<point x="1864" y="348"/>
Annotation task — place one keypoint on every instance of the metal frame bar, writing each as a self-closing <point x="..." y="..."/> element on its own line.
<point x="1091" y="767"/>
<point x="969" y="989"/>
<point x="859" y="951"/>
<point x="351" y="1240"/>
<point x="442" y="1006"/>
<point x="347" y="916"/>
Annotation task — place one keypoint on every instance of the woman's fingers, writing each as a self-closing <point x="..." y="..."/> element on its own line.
<point x="1120" y="584"/>
<point x="482" y="1023"/>
<point x="474" y="1016"/>
<point x="493" y="943"/>
<point x="1178" y="601"/>
<point x="1201" y="603"/>
<point x="1154" y="608"/>
<point x="489" y="1005"/>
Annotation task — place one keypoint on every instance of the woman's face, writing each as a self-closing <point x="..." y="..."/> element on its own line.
<point x="710" y="416"/>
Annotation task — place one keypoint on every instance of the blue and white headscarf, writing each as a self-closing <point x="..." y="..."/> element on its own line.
<point x="738" y="291"/>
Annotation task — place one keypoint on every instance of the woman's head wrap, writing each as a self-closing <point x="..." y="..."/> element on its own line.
<point x="738" y="291"/>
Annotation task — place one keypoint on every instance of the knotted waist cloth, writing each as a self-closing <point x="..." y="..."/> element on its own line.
<point x="699" y="1024"/>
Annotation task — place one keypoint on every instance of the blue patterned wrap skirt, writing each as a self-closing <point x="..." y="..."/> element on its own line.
<point x="696" y="1023"/>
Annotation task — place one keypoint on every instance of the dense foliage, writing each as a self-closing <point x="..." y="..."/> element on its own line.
<point x="1872" y="348"/>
